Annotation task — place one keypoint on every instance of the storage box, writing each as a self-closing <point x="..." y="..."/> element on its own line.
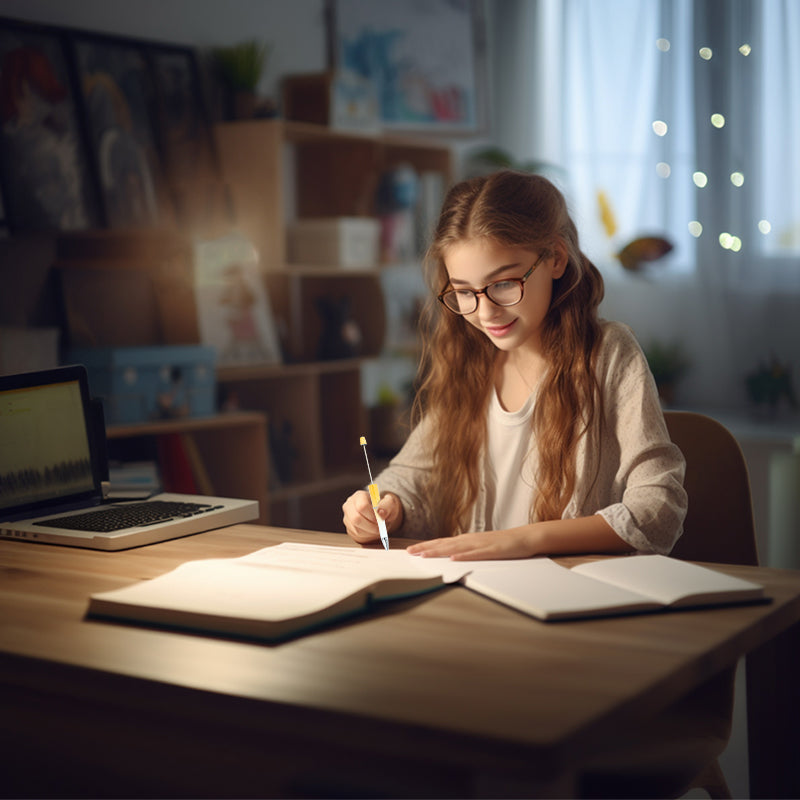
<point x="137" y="384"/>
<point x="342" y="99"/>
<point x="27" y="349"/>
<point x="350" y="242"/>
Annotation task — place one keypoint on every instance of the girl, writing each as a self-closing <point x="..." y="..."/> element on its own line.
<point x="538" y="426"/>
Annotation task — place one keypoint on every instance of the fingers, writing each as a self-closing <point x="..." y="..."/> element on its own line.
<point x="359" y="518"/>
<point x="474" y="546"/>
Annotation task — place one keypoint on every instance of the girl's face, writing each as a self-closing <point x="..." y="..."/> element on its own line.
<point x="475" y="264"/>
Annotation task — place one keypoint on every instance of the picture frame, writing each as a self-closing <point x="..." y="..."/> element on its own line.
<point x="182" y="119"/>
<point x="233" y="307"/>
<point x="119" y="104"/>
<point x="185" y="135"/>
<point x="427" y="60"/>
<point x="46" y="176"/>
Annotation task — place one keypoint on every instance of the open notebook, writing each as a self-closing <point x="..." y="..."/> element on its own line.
<point x="52" y="464"/>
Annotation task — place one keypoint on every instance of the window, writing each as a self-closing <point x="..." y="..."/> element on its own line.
<point x="681" y="119"/>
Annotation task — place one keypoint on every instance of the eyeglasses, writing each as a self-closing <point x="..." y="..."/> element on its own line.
<point x="507" y="292"/>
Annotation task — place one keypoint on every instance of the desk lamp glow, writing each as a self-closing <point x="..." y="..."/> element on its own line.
<point x="375" y="496"/>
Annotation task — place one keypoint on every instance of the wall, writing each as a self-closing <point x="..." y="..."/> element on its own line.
<point x="296" y="29"/>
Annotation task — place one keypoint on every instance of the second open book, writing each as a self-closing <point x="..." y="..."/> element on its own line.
<point x="290" y="588"/>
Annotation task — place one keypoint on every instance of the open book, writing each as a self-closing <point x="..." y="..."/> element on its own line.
<point x="276" y="592"/>
<point x="290" y="588"/>
<point x="624" y="585"/>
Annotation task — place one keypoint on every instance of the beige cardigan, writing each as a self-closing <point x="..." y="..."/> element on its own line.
<point x="635" y="481"/>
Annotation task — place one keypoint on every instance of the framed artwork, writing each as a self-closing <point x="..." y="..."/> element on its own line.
<point x="233" y="309"/>
<point x="44" y="166"/>
<point x="119" y="103"/>
<point x="427" y="59"/>
<point x="183" y="124"/>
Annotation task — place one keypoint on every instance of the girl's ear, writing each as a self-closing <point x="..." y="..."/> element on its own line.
<point x="560" y="260"/>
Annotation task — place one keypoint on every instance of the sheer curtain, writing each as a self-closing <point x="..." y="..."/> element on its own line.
<point x="584" y="84"/>
<point x="627" y="131"/>
<point x="620" y="95"/>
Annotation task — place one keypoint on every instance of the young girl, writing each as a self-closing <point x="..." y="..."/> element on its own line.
<point x="538" y="426"/>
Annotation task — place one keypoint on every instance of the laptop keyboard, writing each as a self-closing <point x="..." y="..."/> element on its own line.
<point x="130" y="515"/>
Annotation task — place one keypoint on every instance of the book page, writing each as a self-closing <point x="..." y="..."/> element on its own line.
<point x="544" y="589"/>
<point x="670" y="580"/>
<point x="360" y="562"/>
<point x="230" y="588"/>
<point x="277" y="583"/>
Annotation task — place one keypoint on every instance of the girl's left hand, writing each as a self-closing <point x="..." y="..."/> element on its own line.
<point x="478" y="546"/>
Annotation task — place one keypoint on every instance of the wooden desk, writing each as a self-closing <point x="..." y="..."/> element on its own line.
<point x="450" y="694"/>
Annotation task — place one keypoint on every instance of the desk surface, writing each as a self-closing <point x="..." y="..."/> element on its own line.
<point x="451" y="673"/>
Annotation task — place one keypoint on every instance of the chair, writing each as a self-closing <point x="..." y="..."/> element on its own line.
<point x="679" y="751"/>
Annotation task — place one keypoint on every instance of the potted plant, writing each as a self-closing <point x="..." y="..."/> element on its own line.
<point x="668" y="362"/>
<point x="240" y="68"/>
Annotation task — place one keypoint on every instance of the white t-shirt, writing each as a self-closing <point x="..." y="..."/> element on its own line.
<point x="509" y="469"/>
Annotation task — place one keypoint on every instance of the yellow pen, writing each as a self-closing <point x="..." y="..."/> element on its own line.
<point x="375" y="496"/>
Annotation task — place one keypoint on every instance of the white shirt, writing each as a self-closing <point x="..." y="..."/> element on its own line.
<point x="509" y="471"/>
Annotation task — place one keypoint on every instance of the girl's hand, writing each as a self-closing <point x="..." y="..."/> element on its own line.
<point x="359" y="517"/>
<point x="518" y="543"/>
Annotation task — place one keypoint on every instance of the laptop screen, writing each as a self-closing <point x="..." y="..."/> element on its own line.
<point x="45" y="450"/>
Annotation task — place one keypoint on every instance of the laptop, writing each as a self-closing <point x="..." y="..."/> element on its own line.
<point x="53" y="463"/>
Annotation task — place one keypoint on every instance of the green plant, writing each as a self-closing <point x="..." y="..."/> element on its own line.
<point x="667" y="361"/>
<point x="770" y="383"/>
<point x="241" y="65"/>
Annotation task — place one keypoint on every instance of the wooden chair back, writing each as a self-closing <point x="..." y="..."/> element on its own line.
<point x="719" y="524"/>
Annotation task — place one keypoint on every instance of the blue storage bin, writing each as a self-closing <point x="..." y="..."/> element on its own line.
<point x="139" y="384"/>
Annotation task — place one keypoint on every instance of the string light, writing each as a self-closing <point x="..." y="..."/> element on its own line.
<point x="705" y="53"/>
<point x="729" y="242"/>
<point x="718" y="121"/>
<point x="700" y="179"/>
<point x="660" y="128"/>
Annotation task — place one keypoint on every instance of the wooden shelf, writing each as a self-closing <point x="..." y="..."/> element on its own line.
<point x="279" y="171"/>
<point x="227" y="452"/>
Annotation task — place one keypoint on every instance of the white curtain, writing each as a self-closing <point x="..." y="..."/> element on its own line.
<point x="634" y="90"/>
<point x="580" y="83"/>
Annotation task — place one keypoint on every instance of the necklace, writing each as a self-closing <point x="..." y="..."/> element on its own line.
<point x="522" y="375"/>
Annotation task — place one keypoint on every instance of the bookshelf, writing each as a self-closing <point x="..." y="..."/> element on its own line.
<point x="279" y="171"/>
<point x="227" y="452"/>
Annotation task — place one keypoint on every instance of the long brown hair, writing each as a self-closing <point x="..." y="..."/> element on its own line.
<point x="518" y="210"/>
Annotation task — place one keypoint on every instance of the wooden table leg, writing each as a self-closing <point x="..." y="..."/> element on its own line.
<point x="773" y="716"/>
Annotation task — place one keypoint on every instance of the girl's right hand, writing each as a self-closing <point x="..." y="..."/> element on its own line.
<point x="359" y="517"/>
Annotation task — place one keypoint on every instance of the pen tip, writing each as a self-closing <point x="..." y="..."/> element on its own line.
<point x="362" y="440"/>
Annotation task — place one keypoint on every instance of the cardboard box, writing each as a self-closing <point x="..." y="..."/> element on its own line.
<point x="341" y="99"/>
<point x="350" y="242"/>
<point x="138" y="384"/>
